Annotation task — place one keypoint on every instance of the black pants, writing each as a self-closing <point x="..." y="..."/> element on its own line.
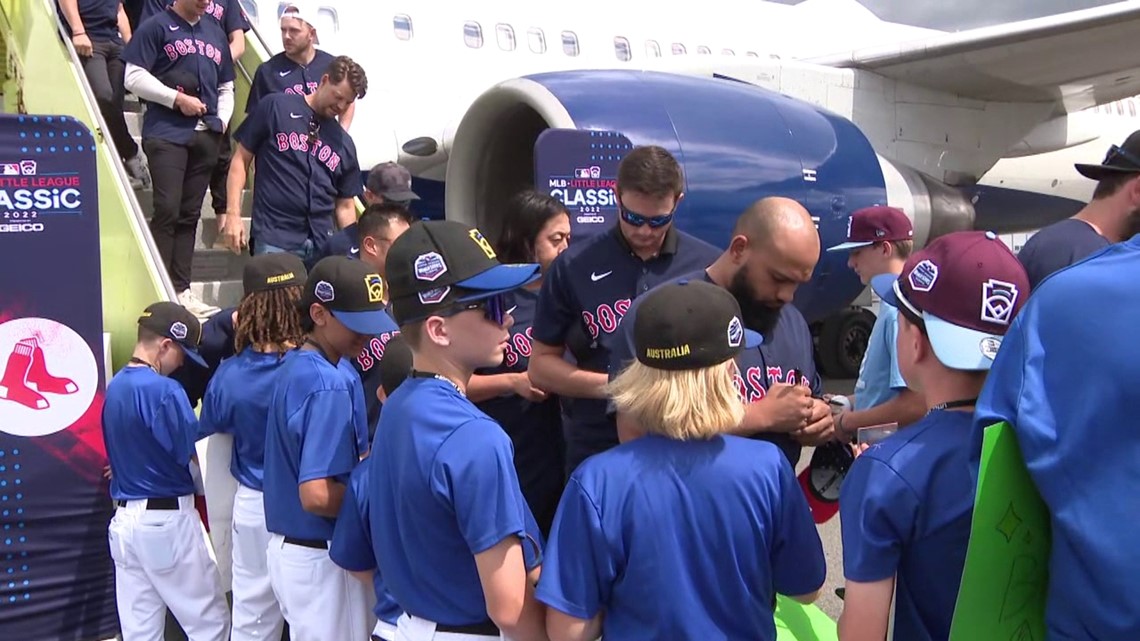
<point x="221" y="171"/>
<point x="180" y="174"/>
<point x="104" y="72"/>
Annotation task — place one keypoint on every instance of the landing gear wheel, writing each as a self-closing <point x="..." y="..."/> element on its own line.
<point x="842" y="342"/>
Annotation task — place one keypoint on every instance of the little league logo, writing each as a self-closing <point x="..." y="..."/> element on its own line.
<point x="998" y="300"/>
<point x="375" y="286"/>
<point x="735" y="332"/>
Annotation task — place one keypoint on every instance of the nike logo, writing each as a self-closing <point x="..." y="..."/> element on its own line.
<point x="354" y="250"/>
<point x="511" y="310"/>
<point x="284" y="73"/>
<point x="174" y="27"/>
<point x="594" y="276"/>
<point x="293" y="115"/>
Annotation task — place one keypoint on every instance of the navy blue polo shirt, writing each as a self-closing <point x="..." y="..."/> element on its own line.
<point x="787" y="347"/>
<point x="535" y="428"/>
<point x="315" y="431"/>
<point x="217" y="345"/>
<point x="905" y="507"/>
<point x="297" y="181"/>
<point x="1058" y="245"/>
<point x="100" y="19"/>
<point x="583" y="299"/>
<point x="149" y="430"/>
<point x="180" y="54"/>
<point x="367" y="366"/>
<point x="279" y="74"/>
<point x="227" y="13"/>
<point x="682" y="540"/>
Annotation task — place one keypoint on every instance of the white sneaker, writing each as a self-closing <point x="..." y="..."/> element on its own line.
<point x="138" y="171"/>
<point x="195" y="306"/>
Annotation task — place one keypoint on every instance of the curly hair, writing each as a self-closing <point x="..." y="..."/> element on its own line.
<point x="269" y="318"/>
<point x="344" y="67"/>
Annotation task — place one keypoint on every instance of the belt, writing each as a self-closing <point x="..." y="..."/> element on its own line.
<point x="485" y="628"/>
<point x="156" y="504"/>
<point x="316" y="544"/>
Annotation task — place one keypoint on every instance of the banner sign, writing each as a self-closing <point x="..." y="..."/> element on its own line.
<point x="579" y="168"/>
<point x="56" y="574"/>
<point x="1004" y="583"/>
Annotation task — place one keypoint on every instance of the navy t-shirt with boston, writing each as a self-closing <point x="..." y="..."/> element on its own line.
<point x="227" y="13"/>
<point x="1058" y="245"/>
<point x="279" y="74"/>
<point x="149" y="430"/>
<point x="906" y="506"/>
<point x="535" y="428"/>
<point x="300" y="172"/>
<point x="584" y="297"/>
<point x="100" y="19"/>
<point x="194" y="57"/>
<point x="788" y="346"/>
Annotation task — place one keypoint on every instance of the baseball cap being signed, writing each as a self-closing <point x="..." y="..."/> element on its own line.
<point x="690" y="325"/>
<point x="272" y="271"/>
<point x="438" y="263"/>
<point x="351" y="291"/>
<point x="870" y="225"/>
<point x="175" y="322"/>
<point x="966" y="287"/>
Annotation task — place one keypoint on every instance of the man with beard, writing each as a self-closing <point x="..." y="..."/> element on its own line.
<point x="1112" y="216"/>
<point x="773" y="250"/>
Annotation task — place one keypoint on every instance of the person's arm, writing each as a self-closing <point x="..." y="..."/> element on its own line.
<point x="124" y="24"/>
<point x="225" y="103"/>
<point x="327" y="454"/>
<point x="905" y="408"/>
<point x="345" y="212"/>
<point x="322" y="497"/>
<point x="783" y="409"/>
<point x="866" y="610"/>
<point x="230" y="225"/>
<point x="237" y="44"/>
<point x="482" y="387"/>
<point x="551" y="372"/>
<point x="79" y="38"/>
<point x="143" y="84"/>
<point x="347" y="116"/>
<point x="563" y="627"/>
<point x="509" y="593"/>
<point x="175" y="426"/>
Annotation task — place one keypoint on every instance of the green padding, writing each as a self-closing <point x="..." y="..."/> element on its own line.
<point x="798" y="622"/>
<point x="1002" y="595"/>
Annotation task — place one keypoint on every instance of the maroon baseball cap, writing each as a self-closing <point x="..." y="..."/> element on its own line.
<point x="870" y="225"/>
<point x="967" y="287"/>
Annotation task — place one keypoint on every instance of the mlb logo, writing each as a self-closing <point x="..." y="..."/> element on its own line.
<point x="582" y="172"/>
<point x="595" y="172"/>
<point x="28" y="167"/>
<point x="11" y="169"/>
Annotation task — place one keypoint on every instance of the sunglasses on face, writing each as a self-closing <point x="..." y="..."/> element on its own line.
<point x="494" y="308"/>
<point x="640" y="220"/>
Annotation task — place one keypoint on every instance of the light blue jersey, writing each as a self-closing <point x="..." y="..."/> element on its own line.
<point x="879" y="376"/>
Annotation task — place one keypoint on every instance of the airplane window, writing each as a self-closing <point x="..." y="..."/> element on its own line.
<point x="402" y="25"/>
<point x="727" y="52"/>
<point x="1119" y="108"/>
<point x="569" y="43"/>
<point x="472" y="34"/>
<point x="703" y="50"/>
<point x="652" y="49"/>
<point x="506" y="37"/>
<point x="250" y="9"/>
<point x="1131" y="108"/>
<point x="622" y="50"/>
<point x="537" y="40"/>
<point x="751" y="54"/>
<point x="678" y="49"/>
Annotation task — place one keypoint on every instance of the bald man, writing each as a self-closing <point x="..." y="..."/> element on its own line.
<point x="773" y="250"/>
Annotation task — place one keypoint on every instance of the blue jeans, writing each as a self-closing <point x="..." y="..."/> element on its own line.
<point x="307" y="252"/>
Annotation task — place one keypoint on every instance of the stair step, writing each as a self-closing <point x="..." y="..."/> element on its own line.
<point x="220" y="293"/>
<point x="207" y="235"/>
<point x="217" y="264"/>
<point x="146" y="202"/>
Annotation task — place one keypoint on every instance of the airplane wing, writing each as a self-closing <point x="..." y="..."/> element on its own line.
<point x="1082" y="58"/>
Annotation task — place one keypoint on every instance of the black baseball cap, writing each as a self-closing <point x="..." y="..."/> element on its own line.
<point x="272" y="271"/>
<point x="352" y="291"/>
<point x="690" y="324"/>
<point x="438" y="263"/>
<point x="1120" y="160"/>
<point x="175" y="322"/>
<point x="392" y="181"/>
<point x="396" y="365"/>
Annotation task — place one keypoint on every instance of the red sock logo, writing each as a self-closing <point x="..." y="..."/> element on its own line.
<point x="13" y="385"/>
<point x="40" y="380"/>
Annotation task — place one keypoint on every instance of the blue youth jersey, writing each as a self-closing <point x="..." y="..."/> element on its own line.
<point x="535" y="428"/>
<point x="1056" y="246"/>
<point x="582" y="302"/>
<point x="217" y="345"/>
<point x="237" y="403"/>
<point x="879" y="377"/>
<point x="351" y="546"/>
<point x="1073" y="410"/>
<point x="787" y="347"/>
<point x="731" y="497"/>
<point x="367" y="366"/>
<point x="279" y="74"/>
<point x="316" y="430"/>
<point x="227" y="13"/>
<point x="905" y="508"/>
<point x="442" y="489"/>
<point x="195" y="57"/>
<point x="100" y="19"/>
<point x="299" y="177"/>
<point x="149" y="430"/>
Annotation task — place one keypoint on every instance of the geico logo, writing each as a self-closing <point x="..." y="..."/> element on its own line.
<point x="20" y="227"/>
<point x="591" y="219"/>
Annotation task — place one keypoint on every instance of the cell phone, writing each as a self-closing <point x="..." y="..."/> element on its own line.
<point x="875" y="433"/>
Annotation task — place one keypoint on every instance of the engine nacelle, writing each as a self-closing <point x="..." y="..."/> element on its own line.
<point x="736" y="143"/>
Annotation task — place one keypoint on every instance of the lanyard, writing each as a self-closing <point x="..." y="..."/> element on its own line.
<point x="418" y="374"/>
<point x="309" y="341"/>
<point x="949" y="405"/>
<point x="138" y="361"/>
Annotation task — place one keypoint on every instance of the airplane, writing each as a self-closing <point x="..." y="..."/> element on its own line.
<point x="821" y="101"/>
